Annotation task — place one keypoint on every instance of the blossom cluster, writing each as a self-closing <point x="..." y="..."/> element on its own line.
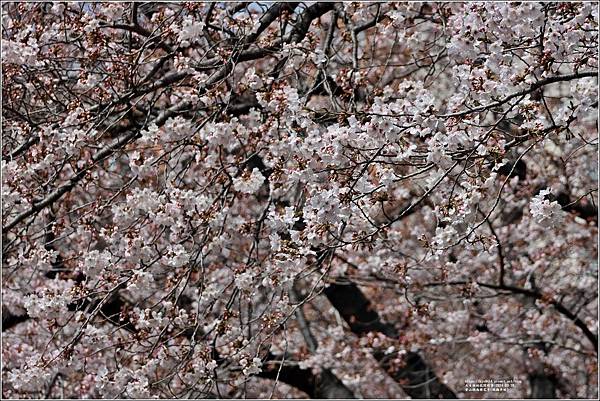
<point x="229" y="200"/>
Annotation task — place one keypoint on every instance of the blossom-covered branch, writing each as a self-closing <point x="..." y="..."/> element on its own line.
<point x="323" y="199"/>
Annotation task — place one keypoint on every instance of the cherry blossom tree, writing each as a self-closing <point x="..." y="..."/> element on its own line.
<point x="326" y="200"/>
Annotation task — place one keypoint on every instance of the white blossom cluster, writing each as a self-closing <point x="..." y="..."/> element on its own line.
<point x="545" y="212"/>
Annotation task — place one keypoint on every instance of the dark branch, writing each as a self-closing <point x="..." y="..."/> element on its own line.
<point x="324" y="385"/>
<point x="416" y="377"/>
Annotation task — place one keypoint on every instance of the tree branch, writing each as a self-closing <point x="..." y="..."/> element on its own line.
<point x="535" y="86"/>
<point x="324" y="385"/>
<point x="416" y="378"/>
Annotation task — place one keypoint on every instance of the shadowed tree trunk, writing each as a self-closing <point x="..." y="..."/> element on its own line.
<point x="322" y="385"/>
<point x="542" y="385"/>
<point x="415" y="377"/>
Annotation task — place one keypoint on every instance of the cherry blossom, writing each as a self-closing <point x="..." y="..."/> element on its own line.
<point x="292" y="200"/>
